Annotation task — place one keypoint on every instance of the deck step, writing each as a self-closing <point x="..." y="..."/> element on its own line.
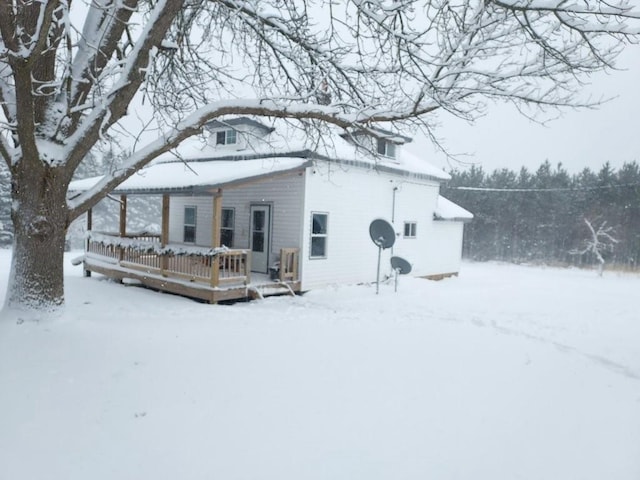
<point x="276" y="288"/>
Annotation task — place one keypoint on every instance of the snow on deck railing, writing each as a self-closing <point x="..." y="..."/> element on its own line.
<point x="142" y="244"/>
<point x="212" y="266"/>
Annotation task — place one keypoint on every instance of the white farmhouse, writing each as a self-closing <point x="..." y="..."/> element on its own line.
<point x="255" y="209"/>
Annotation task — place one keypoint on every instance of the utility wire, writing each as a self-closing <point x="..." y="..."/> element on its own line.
<point x="559" y="189"/>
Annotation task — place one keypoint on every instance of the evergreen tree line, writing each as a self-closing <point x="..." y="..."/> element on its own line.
<point x="540" y="216"/>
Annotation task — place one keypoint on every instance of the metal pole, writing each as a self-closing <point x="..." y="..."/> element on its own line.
<point x="378" y="274"/>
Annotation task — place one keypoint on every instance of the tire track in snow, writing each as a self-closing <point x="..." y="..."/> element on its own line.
<point x="562" y="347"/>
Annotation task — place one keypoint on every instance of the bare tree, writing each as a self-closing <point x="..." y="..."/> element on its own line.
<point x="600" y="240"/>
<point x="71" y="73"/>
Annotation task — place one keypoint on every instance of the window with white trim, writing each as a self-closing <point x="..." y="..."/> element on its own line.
<point x="386" y="148"/>
<point x="190" y="216"/>
<point x="319" y="224"/>
<point x="226" y="227"/>
<point x="226" y="137"/>
<point x="410" y="229"/>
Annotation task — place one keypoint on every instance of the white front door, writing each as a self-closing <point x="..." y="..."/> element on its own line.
<point x="259" y="237"/>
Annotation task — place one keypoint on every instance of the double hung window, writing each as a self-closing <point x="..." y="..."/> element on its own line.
<point x="319" y="224"/>
<point x="190" y="218"/>
<point x="410" y="229"/>
<point x="226" y="137"/>
<point x="386" y="148"/>
<point x="226" y="227"/>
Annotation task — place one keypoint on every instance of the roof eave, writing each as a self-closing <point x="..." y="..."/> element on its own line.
<point x="210" y="187"/>
<point x="438" y="218"/>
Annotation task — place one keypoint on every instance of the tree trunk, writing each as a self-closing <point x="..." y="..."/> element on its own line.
<point x="39" y="214"/>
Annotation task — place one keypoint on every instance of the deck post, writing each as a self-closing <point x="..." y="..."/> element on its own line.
<point x="284" y="265"/>
<point x="217" y="219"/>
<point x="289" y="264"/>
<point x="164" y="234"/>
<point x="89" y="219"/>
<point x="123" y="215"/>
<point x="215" y="235"/>
<point x="247" y="267"/>
<point x="87" y="273"/>
<point x="123" y="222"/>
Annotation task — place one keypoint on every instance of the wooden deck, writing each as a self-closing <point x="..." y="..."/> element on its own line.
<point x="212" y="275"/>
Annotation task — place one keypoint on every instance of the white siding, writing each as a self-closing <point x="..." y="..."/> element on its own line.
<point x="284" y="194"/>
<point x="444" y="247"/>
<point x="354" y="197"/>
<point x="204" y="214"/>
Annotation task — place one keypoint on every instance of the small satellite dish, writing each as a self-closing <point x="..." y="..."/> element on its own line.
<point x="382" y="233"/>
<point x="400" y="265"/>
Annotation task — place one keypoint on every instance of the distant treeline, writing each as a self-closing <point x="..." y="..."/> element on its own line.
<point x="539" y="216"/>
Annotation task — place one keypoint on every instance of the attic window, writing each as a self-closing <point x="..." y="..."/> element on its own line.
<point x="386" y="148"/>
<point x="226" y="137"/>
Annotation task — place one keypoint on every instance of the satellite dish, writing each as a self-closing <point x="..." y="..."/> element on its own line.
<point x="400" y="265"/>
<point x="382" y="233"/>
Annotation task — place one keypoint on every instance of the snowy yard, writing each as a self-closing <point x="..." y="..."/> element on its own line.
<point x="503" y="373"/>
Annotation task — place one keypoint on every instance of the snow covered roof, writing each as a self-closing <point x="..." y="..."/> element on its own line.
<point x="287" y="140"/>
<point x="447" y="210"/>
<point x="194" y="176"/>
<point x="196" y="165"/>
<point x="237" y="121"/>
<point x="386" y="134"/>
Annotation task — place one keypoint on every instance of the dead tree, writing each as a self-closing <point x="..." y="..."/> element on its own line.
<point x="601" y="240"/>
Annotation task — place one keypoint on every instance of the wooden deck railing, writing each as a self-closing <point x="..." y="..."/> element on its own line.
<point x="289" y="261"/>
<point x="143" y="253"/>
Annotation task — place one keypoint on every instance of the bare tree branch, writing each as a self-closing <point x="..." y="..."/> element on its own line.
<point x="7" y="27"/>
<point x="104" y="26"/>
<point x="116" y="101"/>
<point x="5" y="151"/>
<point x="601" y="240"/>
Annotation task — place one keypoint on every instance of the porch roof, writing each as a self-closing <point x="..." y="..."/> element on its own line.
<point x="194" y="176"/>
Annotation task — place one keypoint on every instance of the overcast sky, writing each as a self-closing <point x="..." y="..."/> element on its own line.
<point x="585" y="138"/>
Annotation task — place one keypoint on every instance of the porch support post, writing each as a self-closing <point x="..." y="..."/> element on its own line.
<point x="217" y="219"/>
<point x="123" y="223"/>
<point x="164" y="234"/>
<point x="87" y="273"/>
<point x="89" y="219"/>
<point x="123" y="215"/>
<point x="215" y="235"/>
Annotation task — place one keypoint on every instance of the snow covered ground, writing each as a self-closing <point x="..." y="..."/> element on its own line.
<point x="503" y="373"/>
